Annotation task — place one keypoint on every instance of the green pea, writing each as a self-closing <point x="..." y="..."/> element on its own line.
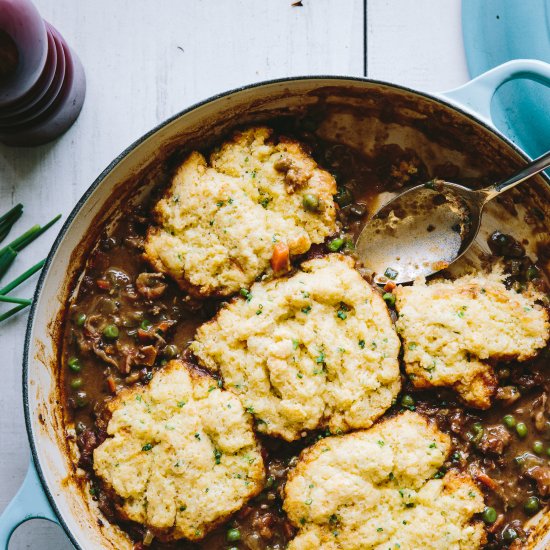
<point x="335" y="244"/>
<point x="233" y="535"/>
<point x="146" y="324"/>
<point x="111" y="332"/>
<point x="76" y="383"/>
<point x="509" y="421"/>
<point x="489" y="515"/>
<point x="407" y="401"/>
<point x="74" y="364"/>
<point x="81" y="399"/>
<point x="170" y="351"/>
<point x="531" y="506"/>
<point x="389" y="298"/>
<point x="538" y="447"/>
<point x="521" y="429"/>
<point x="80" y="319"/>
<point x="310" y="202"/>
<point x="477" y="428"/>
<point x="532" y="273"/>
<point x="509" y="534"/>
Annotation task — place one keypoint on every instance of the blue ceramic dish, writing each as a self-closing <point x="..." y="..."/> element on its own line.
<point x="50" y="489"/>
<point x="496" y="31"/>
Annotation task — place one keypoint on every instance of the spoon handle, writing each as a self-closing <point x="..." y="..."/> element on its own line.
<point x="538" y="165"/>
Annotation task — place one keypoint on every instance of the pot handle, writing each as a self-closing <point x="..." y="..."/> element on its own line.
<point x="476" y="95"/>
<point x="30" y="502"/>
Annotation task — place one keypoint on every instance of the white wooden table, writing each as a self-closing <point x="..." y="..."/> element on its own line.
<point x="145" y="60"/>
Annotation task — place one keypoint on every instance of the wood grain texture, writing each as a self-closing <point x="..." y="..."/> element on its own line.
<point x="417" y="44"/>
<point x="146" y="60"/>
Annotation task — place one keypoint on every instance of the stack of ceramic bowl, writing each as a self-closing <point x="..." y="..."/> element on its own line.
<point x="43" y="95"/>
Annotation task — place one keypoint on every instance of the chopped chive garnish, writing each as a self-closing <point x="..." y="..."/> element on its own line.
<point x="391" y="273"/>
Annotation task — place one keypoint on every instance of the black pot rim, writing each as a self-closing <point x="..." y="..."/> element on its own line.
<point x="120" y="158"/>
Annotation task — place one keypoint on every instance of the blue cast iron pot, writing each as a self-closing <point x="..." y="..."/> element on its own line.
<point x="455" y="125"/>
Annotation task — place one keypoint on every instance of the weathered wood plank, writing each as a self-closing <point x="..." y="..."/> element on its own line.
<point x="146" y="60"/>
<point x="417" y="44"/>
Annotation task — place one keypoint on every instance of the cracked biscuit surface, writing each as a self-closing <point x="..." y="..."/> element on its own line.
<point x="181" y="455"/>
<point x="219" y="221"/>
<point x="375" y="489"/>
<point x="317" y="349"/>
<point x="453" y="330"/>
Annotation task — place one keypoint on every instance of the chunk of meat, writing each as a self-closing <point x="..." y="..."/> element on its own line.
<point x="87" y="442"/>
<point x="264" y="525"/>
<point x="151" y="285"/>
<point x="103" y="355"/>
<point x="541" y="475"/>
<point x="540" y="412"/>
<point x="508" y="394"/>
<point x="147" y="356"/>
<point x="495" y="439"/>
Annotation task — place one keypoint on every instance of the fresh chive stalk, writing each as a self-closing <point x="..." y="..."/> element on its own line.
<point x="11" y="312"/>
<point x="6" y="259"/>
<point x="28" y="237"/>
<point x="12" y="300"/>
<point x="36" y="234"/>
<point x="9" y="253"/>
<point x="22" y="278"/>
<point x="17" y="208"/>
<point x="8" y="219"/>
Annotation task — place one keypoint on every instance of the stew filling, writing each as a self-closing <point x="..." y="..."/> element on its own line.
<point x="126" y="322"/>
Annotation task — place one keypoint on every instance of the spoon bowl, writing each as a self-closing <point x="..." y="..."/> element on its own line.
<point x="427" y="227"/>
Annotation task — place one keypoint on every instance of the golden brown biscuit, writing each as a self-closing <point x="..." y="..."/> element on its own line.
<point x="376" y="489"/>
<point x="317" y="349"/>
<point x="181" y="455"/>
<point x="452" y="329"/>
<point x="219" y="222"/>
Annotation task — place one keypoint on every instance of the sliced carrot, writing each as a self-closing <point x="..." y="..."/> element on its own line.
<point x="389" y="286"/>
<point x="145" y="335"/>
<point x="111" y="384"/>
<point x="103" y="284"/>
<point x="486" y="480"/>
<point x="280" y="260"/>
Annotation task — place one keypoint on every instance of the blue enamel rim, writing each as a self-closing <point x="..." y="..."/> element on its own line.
<point x="495" y="32"/>
<point x="114" y="163"/>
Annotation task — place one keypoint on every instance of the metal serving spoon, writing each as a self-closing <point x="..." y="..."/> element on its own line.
<point x="425" y="228"/>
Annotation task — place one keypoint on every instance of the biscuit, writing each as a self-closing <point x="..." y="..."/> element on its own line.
<point x="314" y="350"/>
<point x="181" y="455"/>
<point x="376" y="489"/>
<point x="219" y="222"/>
<point x="452" y="330"/>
